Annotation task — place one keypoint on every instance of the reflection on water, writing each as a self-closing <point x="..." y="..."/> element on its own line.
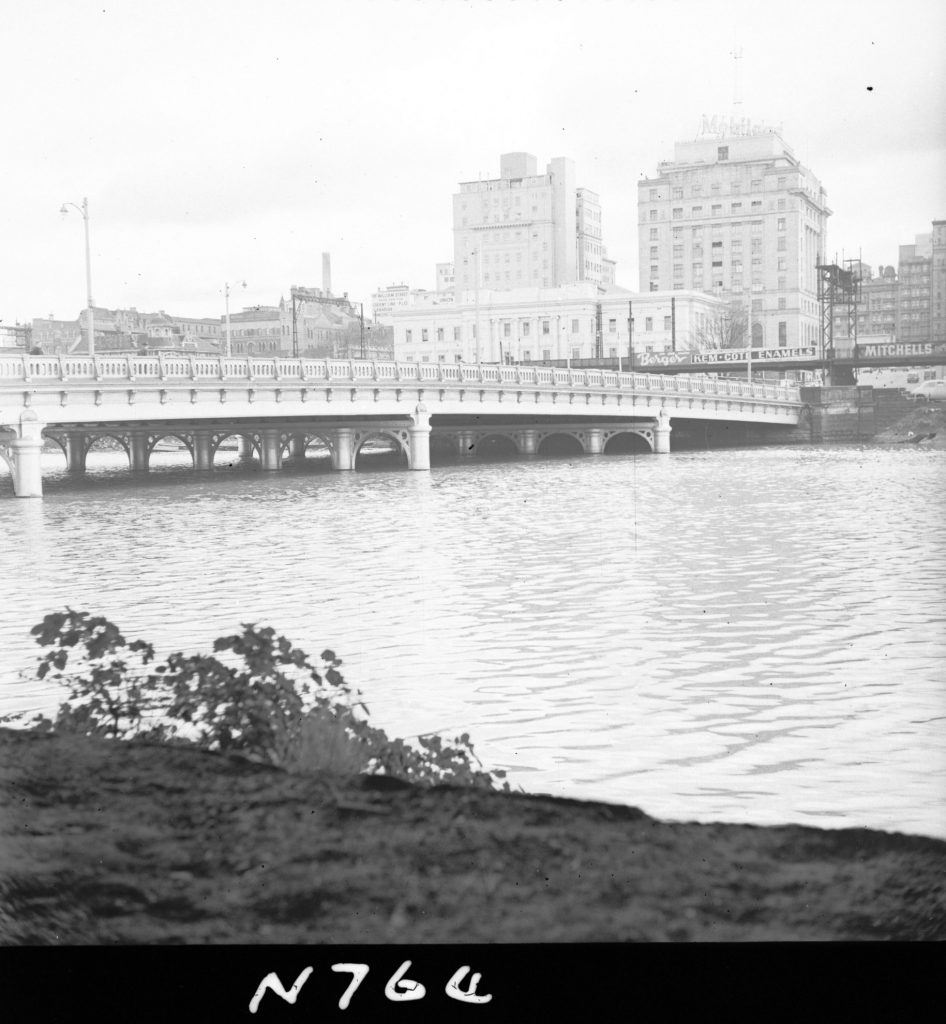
<point x="745" y="635"/>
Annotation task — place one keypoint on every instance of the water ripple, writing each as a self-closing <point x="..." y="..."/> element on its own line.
<point x="749" y="635"/>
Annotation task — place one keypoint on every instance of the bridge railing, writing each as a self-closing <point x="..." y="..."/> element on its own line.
<point x="25" y="369"/>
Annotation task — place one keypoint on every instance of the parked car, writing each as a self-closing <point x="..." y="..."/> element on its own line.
<point x="933" y="389"/>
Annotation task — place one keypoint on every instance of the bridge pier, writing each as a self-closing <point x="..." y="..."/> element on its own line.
<point x="271" y="449"/>
<point x="297" y="448"/>
<point x="245" y="451"/>
<point x="75" y="452"/>
<point x="419" y="432"/>
<point x="203" y="451"/>
<point x="341" y="449"/>
<point x="26" y="451"/>
<point x="466" y="444"/>
<point x="594" y="441"/>
<point x="138" y="452"/>
<point x="528" y="443"/>
<point x="662" y="430"/>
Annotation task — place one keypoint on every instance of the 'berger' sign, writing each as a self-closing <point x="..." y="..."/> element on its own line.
<point x="725" y="355"/>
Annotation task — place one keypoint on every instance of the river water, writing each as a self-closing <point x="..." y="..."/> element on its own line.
<point x="746" y="635"/>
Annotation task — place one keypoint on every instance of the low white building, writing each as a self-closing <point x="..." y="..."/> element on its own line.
<point x="577" y="321"/>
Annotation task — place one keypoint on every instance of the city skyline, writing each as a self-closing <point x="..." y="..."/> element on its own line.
<point x="214" y="147"/>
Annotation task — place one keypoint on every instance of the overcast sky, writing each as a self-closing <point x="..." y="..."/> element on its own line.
<point x="221" y="141"/>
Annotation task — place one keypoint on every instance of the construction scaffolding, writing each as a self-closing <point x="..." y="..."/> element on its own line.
<point x="838" y="292"/>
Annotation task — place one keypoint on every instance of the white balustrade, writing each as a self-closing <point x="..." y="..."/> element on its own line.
<point x="76" y="369"/>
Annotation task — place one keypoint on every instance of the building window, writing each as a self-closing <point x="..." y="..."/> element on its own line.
<point x="653" y="214"/>
<point x="525" y="328"/>
<point x="782" y="244"/>
<point x="677" y="212"/>
<point x="439" y="334"/>
<point x="545" y="327"/>
<point x="781" y="263"/>
<point x="717" y="209"/>
<point x="781" y="183"/>
<point x="696" y="211"/>
<point x="735" y="207"/>
<point x="408" y="335"/>
<point x="653" y="252"/>
<point x="756" y="204"/>
<point x="425" y="358"/>
<point x="676" y="193"/>
<point x="722" y="153"/>
<point x="781" y="204"/>
<point x="654" y="234"/>
<point x="507" y="329"/>
<point x="423" y="334"/>
<point x="612" y="326"/>
<point x="756" y="305"/>
<point x="782" y="334"/>
<point x="668" y="323"/>
<point x="527" y="355"/>
<point x="781" y="223"/>
<point x="456" y="333"/>
<point x="574" y="326"/>
<point x="648" y="323"/>
<point x="576" y="353"/>
<point x="653" y="195"/>
<point x="654" y="286"/>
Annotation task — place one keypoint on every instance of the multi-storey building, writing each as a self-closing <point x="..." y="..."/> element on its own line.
<point x="576" y="321"/>
<point x="525" y="229"/>
<point x="938" y="282"/>
<point x="738" y="217"/>
<point x="395" y="296"/>
<point x="876" y="305"/>
<point x="914" y="269"/>
<point x="310" y="323"/>
<point x="445" y="277"/>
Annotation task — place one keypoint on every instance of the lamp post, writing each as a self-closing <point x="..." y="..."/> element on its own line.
<point x="90" y="326"/>
<point x="226" y="298"/>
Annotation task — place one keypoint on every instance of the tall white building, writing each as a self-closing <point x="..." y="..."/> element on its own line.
<point x="738" y="217"/>
<point x="527" y="230"/>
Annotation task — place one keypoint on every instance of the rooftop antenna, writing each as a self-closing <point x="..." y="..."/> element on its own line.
<point x="737" y="84"/>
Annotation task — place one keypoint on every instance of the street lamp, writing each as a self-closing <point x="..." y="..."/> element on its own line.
<point x="84" y="210"/>
<point x="226" y="295"/>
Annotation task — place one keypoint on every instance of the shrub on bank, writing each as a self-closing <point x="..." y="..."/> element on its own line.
<point x="263" y="699"/>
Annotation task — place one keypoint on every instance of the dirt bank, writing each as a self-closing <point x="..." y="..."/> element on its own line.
<point x="925" y="425"/>
<point x="128" y="843"/>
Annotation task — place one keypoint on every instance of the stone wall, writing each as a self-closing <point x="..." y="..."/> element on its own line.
<point x="839" y="415"/>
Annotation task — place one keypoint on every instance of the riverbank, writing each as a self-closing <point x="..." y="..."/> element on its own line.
<point x="925" y="425"/>
<point x="107" y="843"/>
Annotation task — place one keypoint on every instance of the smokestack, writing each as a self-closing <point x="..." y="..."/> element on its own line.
<point x="326" y="273"/>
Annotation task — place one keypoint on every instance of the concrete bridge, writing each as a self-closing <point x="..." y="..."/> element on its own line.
<point x="277" y="407"/>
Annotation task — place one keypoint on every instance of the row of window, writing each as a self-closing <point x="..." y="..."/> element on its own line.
<point x="735" y="187"/>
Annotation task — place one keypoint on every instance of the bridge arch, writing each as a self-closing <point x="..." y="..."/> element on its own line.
<point x="312" y="449"/>
<point x="445" y="447"/>
<point x="92" y="443"/>
<point x="400" y="456"/>
<point x="495" y="445"/>
<point x="249" y="447"/>
<point x="628" y="442"/>
<point x="157" y="436"/>
<point x="7" y="461"/>
<point x="561" y="444"/>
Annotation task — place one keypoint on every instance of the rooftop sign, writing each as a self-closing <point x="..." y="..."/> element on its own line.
<point x="720" y="126"/>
